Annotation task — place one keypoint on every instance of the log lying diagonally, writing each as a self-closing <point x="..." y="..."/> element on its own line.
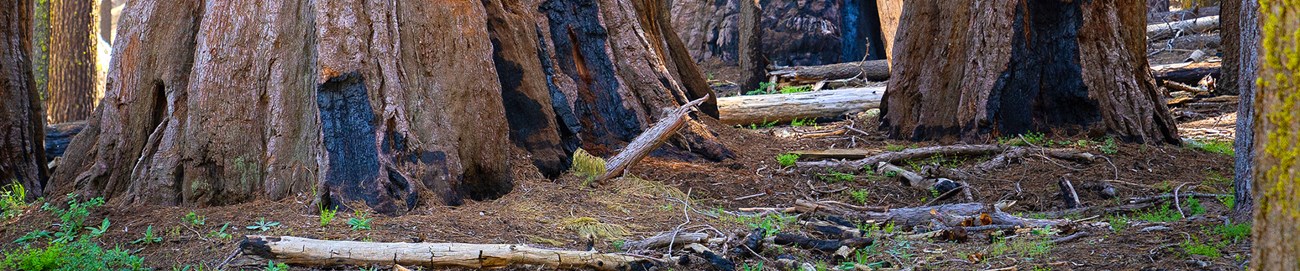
<point x="648" y="140"/>
<point x="323" y="253"/>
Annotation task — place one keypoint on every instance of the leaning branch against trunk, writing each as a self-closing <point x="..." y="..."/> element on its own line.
<point x="1161" y="31"/>
<point x="874" y="70"/>
<point x="324" y="253"/>
<point x="648" y="141"/>
<point x="752" y="109"/>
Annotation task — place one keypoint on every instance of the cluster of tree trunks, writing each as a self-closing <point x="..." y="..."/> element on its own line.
<point x="794" y="32"/>
<point x="1008" y="67"/>
<point x="22" y="157"/>
<point x="387" y="105"/>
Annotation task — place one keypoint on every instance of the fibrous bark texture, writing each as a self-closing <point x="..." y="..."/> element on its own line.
<point x="388" y="105"/>
<point x="22" y="123"/>
<point x="72" y="59"/>
<point x="1277" y="159"/>
<point x="1248" y="43"/>
<point x="1000" y="68"/>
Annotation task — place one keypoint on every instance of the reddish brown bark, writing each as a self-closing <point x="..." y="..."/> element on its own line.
<point x="72" y="59"/>
<point x="389" y="105"/>
<point x="22" y="123"/>
<point x="1008" y="67"/>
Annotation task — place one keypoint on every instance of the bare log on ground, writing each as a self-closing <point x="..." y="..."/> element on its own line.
<point x="664" y="239"/>
<point x="874" y="70"/>
<point x="1170" y="16"/>
<point x="1171" y="196"/>
<point x="917" y="153"/>
<point x="834" y="154"/>
<point x="323" y="253"/>
<point x="910" y="178"/>
<point x="751" y="109"/>
<point x="954" y="214"/>
<point x="786" y="239"/>
<point x="1194" y="42"/>
<point x="1186" y="73"/>
<point x="648" y="141"/>
<point x="1186" y="27"/>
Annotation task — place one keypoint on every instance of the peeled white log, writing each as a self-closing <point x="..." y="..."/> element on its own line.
<point x="753" y="109"/>
<point x="1188" y="27"/>
<point x="324" y="253"/>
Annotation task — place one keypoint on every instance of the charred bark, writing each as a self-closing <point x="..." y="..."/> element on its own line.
<point x="1014" y="67"/>
<point x="22" y="122"/>
<point x="235" y="101"/>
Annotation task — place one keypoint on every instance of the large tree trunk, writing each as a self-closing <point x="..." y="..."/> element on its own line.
<point x="1277" y="174"/>
<point x="1009" y="67"/>
<point x="388" y="105"/>
<point x="890" y="13"/>
<point x="22" y="123"/>
<point x="753" y="66"/>
<point x="72" y="59"/>
<point x="1246" y="57"/>
<point x="795" y="33"/>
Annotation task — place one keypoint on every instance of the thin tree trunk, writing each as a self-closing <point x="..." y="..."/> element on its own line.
<point x="1081" y="70"/>
<point x="753" y="66"/>
<point x="1247" y="58"/>
<point x="1277" y="175"/>
<point x="41" y="48"/>
<point x="72" y="59"/>
<point x="1230" y="29"/>
<point x="890" y="13"/>
<point x="22" y="123"/>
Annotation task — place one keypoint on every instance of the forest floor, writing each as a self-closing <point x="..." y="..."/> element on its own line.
<point x="665" y="194"/>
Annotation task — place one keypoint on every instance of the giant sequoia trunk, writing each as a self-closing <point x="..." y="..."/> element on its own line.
<point x="22" y="123"/>
<point x="1007" y="67"/>
<point x="388" y="105"/>
<point x="72" y="59"/>
<point x="1277" y="161"/>
<point x="794" y="32"/>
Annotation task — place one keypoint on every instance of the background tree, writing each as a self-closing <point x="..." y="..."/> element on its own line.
<point x="1243" y="55"/>
<point x="1007" y="67"/>
<point x="753" y="66"/>
<point x="22" y="123"/>
<point x="41" y="47"/>
<point x="388" y="105"/>
<point x="1277" y="174"/>
<point x="72" y="59"/>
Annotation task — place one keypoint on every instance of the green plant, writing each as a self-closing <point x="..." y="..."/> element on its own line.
<point x="756" y="267"/>
<point x="148" y="237"/>
<point x="221" y="234"/>
<point x="1118" y="223"/>
<point x="82" y="254"/>
<point x="263" y="225"/>
<point x="794" y="89"/>
<point x="1208" y="249"/>
<point x="1194" y="207"/>
<point x="72" y="218"/>
<point x="1164" y="214"/>
<point x="860" y="196"/>
<point x="359" y="221"/>
<point x="587" y="166"/>
<point x="897" y="148"/>
<point x="618" y="244"/>
<point x="1229" y="200"/>
<point x="787" y="159"/>
<point x="98" y="231"/>
<point x="1027" y="139"/>
<point x="762" y="89"/>
<point x="1108" y="146"/>
<point x="194" y="219"/>
<point x="835" y="176"/>
<point x="12" y="200"/>
<point x="1233" y="231"/>
<point x="771" y="224"/>
<point x="798" y="122"/>
<point x="1222" y="147"/>
<point x="1021" y="247"/>
<point x="272" y="266"/>
<point x="327" y="215"/>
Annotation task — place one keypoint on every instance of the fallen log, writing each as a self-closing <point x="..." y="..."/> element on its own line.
<point x="786" y="239"/>
<point x="324" y="253"/>
<point x="1201" y="25"/>
<point x="1178" y="15"/>
<point x="1186" y="73"/>
<point x="954" y="215"/>
<point x="834" y="154"/>
<point x="648" y="141"/>
<point x="1195" y="42"/>
<point x="874" y="70"/>
<point x="665" y="239"/>
<point x="909" y="154"/>
<point x="754" y="109"/>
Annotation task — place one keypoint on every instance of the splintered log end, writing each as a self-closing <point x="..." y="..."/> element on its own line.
<point x="259" y="246"/>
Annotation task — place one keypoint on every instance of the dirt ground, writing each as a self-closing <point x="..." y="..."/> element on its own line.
<point x="543" y="212"/>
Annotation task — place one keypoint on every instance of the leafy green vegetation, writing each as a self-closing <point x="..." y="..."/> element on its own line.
<point x="1222" y="147"/>
<point x="764" y="124"/>
<point x="359" y="221"/>
<point x="70" y="248"/>
<point x="787" y="159"/>
<point x="1021" y="247"/>
<point x="327" y="215"/>
<point x="897" y="148"/>
<point x="1108" y="146"/>
<point x="194" y="219"/>
<point x="1118" y="223"/>
<point x="587" y="166"/>
<point x="762" y="89"/>
<point x="1229" y="200"/>
<point x="263" y="225"/>
<point x="1194" y="207"/>
<point x="1164" y="214"/>
<point x="859" y="196"/>
<point x="1023" y="140"/>
<point x="835" y="176"/>
<point x="148" y="238"/>
<point x="12" y="200"/>
<point x="771" y="223"/>
<point x="794" y="89"/>
<point x="272" y="266"/>
<point x="1233" y="231"/>
<point x="756" y="267"/>
<point x="221" y="233"/>
<point x="1194" y="246"/>
<point x="797" y="122"/>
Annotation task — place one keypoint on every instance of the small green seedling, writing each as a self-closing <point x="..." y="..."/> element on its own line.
<point x="148" y="237"/>
<point x="787" y="159"/>
<point x="359" y="221"/>
<point x="194" y="219"/>
<point x="98" y="231"/>
<point x="221" y="234"/>
<point x="327" y="215"/>
<point x="263" y="225"/>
